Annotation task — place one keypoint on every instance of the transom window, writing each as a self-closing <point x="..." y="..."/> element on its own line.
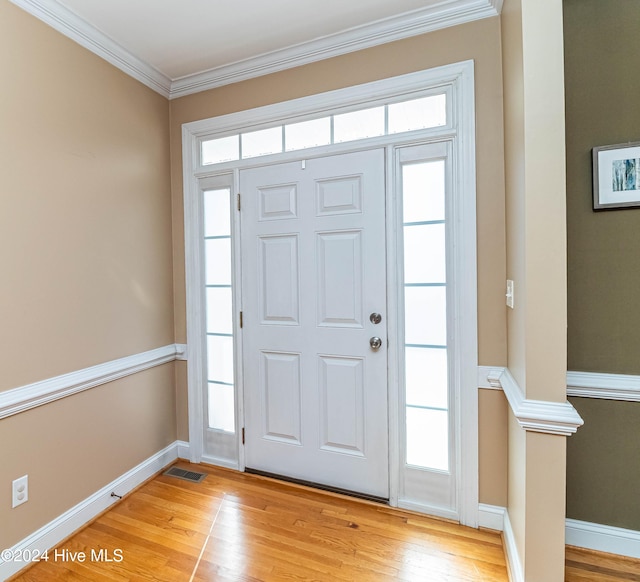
<point x="425" y="112"/>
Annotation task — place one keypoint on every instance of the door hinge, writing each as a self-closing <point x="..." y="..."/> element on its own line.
<point x="241" y="320"/>
<point x="243" y="435"/>
<point x="238" y="200"/>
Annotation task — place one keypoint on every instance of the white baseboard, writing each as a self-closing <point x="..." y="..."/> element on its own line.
<point x="491" y="516"/>
<point x="497" y="518"/>
<point x="603" y="538"/>
<point x="66" y="524"/>
<point x="219" y="462"/>
<point x="183" y="450"/>
<point x="514" y="563"/>
<point x="581" y="534"/>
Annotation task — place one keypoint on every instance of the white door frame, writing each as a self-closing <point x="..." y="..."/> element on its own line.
<point x="457" y="80"/>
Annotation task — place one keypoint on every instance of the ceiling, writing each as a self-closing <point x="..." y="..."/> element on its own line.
<point x="179" y="47"/>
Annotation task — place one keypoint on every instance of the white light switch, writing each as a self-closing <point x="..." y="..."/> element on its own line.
<point x="509" y="293"/>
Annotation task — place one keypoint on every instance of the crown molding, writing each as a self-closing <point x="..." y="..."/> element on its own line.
<point x="544" y="416"/>
<point x="79" y="30"/>
<point x="441" y="15"/>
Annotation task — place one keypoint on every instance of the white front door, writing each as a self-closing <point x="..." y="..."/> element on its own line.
<point x="313" y="273"/>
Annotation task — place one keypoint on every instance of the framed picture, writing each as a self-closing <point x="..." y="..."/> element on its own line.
<point x="616" y="176"/>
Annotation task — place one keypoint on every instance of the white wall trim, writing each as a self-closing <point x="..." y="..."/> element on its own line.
<point x="544" y="416"/>
<point x="605" y="386"/>
<point x="603" y="538"/>
<point x="580" y="534"/>
<point x="69" y="522"/>
<point x="79" y="30"/>
<point x="26" y="397"/>
<point x="435" y="17"/>
<point x="487" y="379"/>
<point x="491" y="516"/>
<point x="582" y="384"/>
<point x="514" y="562"/>
<point x="181" y="352"/>
<point x="428" y="19"/>
<point x="183" y="450"/>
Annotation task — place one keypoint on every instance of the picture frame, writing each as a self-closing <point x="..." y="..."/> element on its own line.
<point x="616" y="176"/>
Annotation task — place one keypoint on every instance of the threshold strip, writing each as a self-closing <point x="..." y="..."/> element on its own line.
<point x="319" y="486"/>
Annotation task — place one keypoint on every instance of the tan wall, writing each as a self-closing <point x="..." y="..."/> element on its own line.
<point x="602" y="46"/>
<point x="493" y="411"/>
<point x="85" y="253"/>
<point x="536" y="261"/>
<point x="479" y="41"/>
<point x="86" y="223"/>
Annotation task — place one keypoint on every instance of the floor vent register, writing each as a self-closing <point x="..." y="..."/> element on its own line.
<point x="184" y="474"/>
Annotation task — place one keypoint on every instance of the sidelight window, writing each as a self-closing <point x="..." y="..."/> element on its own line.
<point x="425" y="307"/>
<point x="219" y="311"/>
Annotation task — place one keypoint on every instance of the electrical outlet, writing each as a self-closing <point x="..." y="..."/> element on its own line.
<point x="20" y="491"/>
<point x="509" y="293"/>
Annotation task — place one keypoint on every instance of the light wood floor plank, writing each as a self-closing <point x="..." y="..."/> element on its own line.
<point x="234" y="527"/>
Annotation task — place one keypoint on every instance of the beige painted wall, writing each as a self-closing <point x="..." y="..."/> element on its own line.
<point x="85" y="227"/>
<point x="536" y="261"/>
<point x="85" y="250"/>
<point x="479" y="41"/>
<point x="493" y="411"/>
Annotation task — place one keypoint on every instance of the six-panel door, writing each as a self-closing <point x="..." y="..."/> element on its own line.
<point x="313" y="270"/>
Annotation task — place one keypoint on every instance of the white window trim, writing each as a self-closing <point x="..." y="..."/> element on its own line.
<point x="457" y="78"/>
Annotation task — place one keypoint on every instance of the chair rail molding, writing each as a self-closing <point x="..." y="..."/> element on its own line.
<point x="26" y="397"/>
<point x="604" y="386"/>
<point x="544" y="416"/>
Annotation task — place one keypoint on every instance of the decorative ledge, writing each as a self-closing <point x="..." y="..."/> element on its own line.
<point x="26" y="397"/>
<point x="544" y="416"/>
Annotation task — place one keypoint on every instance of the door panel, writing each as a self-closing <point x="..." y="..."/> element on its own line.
<point x="339" y="260"/>
<point x="280" y="391"/>
<point x="278" y="280"/>
<point x="313" y="268"/>
<point x="342" y="408"/>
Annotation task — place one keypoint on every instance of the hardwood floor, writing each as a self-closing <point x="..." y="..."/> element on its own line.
<point x="581" y="565"/>
<point x="245" y="528"/>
